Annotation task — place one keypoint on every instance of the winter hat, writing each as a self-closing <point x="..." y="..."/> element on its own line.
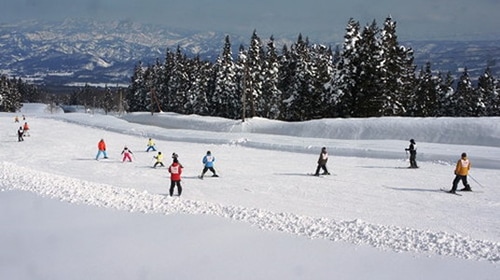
<point x="412" y="141"/>
<point x="208" y="153"/>
<point x="174" y="155"/>
<point x="464" y="155"/>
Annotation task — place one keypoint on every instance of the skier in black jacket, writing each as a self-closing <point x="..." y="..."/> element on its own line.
<point x="413" y="154"/>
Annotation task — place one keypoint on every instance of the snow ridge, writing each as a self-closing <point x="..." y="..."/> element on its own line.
<point x="358" y="232"/>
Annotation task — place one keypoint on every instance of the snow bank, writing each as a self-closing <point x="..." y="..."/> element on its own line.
<point x="463" y="131"/>
<point x="356" y="231"/>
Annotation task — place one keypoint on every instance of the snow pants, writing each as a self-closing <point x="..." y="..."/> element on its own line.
<point x="206" y="169"/>
<point x="457" y="179"/>
<point x="101" y="152"/>
<point x="172" y="186"/>
<point x="321" y="166"/>
<point x="127" y="156"/>
<point x="160" y="163"/>
<point x="413" y="160"/>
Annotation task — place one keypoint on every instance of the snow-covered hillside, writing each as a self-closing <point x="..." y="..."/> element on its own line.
<point x="265" y="217"/>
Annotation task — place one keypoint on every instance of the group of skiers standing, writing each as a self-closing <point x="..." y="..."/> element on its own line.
<point x="461" y="168"/>
<point x="23" y="130"/>
<point x="175" y="169"/>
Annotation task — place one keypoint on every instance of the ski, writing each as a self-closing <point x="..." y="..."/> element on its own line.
<point x="447" y="191"/>
<point x="213" y="176"/>
<point x="320" y="175"/>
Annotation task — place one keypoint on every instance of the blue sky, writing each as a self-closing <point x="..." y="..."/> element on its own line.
<point x="422" y="19"/>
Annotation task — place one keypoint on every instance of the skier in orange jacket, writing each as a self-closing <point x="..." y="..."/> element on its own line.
<point x="101" y="147"/>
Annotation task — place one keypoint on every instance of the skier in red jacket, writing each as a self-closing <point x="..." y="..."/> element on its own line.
<point x="175" y="170"/>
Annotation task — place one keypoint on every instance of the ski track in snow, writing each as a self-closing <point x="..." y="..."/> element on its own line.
<point x="14" y="177"/>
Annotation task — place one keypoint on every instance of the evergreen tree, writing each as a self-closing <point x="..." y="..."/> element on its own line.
<point x="345" y="78"/>
<point x="398" y="72"/>
<point x="10" y="97"/>
<point x="137" y="94"/>
<point x="200" y="87"/>
<point x="243" y="80"/>
<point x="271" y="93"/>
<point x="165" y="93"/>
<point x="108" y="102"/>
<point x="322" y="71"/>
<point x="179" y="83"/>
<point x="285" y="76"/>
<point x="425" y="101"/>
<point x="301" y="100"/>
<point x="445" y="92"/>
<point x="225" y="101"/>
<point x="368" y="75"/>
<point x="487" y="88"/>
<point x="254" y="79"/>
<point x="464" y="99"/>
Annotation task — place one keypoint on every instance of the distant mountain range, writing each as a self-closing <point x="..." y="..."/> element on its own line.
<point x="79" y="51"/>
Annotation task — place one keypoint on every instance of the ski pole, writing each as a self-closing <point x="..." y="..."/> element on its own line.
<point x="476" y="181"/>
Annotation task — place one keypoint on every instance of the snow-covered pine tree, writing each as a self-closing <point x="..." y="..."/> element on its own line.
<point x="322" y="70"/>
<point x="487" y="88"/>
<point x="108" y="101"/>
<point x="137" y="94"/>
<point x="398" y="72"/>
<point x="10" y="97"/>
<point x="271" y="94"/>
<point x="199" y="90"/>
<point x="254" y="63"/>
<point x="368" y="75"/>
<point x="180" y="82"/>
<point x="225" y="101"/>
<point x="464" y="99"/>
<point x="300" y="102"/>
<point x="345" y="79"/>
<point x="285" y="73"/>
<point x="445" y="92"/>
<point x="425" y="100"/>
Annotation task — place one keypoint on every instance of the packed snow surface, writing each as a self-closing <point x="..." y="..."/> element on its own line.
<point x="371" y="200"/>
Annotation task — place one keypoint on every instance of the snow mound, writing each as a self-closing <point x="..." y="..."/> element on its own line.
<point x="394" y="238"/>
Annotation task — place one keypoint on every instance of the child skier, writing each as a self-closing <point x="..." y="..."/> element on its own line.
<point x="208" y="161"/>
<point x="151" y="145"/>
<point x="20" y="134"/>
<point x="159" y="160"/>
<point x="322" y="160"/>
<point x="101" y="149"/>
<point x="26" y="129"/>
<point x="461" y="171"/>
<point x="127" y="154"/>
<point x="176" y="156"/>
<point x="175" y="170"/>
<point x="413" y="153"/>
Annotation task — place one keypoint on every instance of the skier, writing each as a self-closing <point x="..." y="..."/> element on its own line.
<point x="16" y="119"/>
<point x="20" y="134"/>
<point x="322" y="160"/>
<point x="151" y="145"/>
<point x="176" y="156"/>
<point x="208" y="161"/>
<point x="101" y="149"/>
<point x="413" y="153"/>
<point x="127" y="154"/>
<point x="461" y="171"/>
<point x="175" y="170"/>
<point x="26" y="129"/>
<point x="159" y="160"/>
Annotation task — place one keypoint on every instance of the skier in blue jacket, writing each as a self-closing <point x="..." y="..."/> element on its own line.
<point x="208" y="161"/>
